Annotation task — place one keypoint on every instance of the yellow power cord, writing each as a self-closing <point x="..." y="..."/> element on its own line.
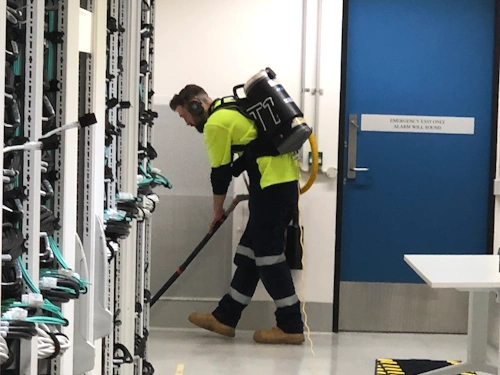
<point x="302" y="284"/>
<point x="314" y="167"/>
<point x="305" y="188"/>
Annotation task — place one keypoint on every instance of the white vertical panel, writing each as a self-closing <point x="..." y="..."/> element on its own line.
<point x="99" y="22"/>
<point x="84" y="28"/>
<point x="66" y="187"/>
<point x="99" y="32"/>
<point x="310" y="53"/>
<point x="328" y="109"/>
<point x="32" y="159"/>
<point x="129" y="142"/>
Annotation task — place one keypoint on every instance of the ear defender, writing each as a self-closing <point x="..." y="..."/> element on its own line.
<point x="195" y="108"/>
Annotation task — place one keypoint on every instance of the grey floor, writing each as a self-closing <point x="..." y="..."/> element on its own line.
<point x="194" y="352"/>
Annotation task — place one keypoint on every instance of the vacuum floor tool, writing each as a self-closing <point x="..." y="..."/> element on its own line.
<point x="238" y="199"/>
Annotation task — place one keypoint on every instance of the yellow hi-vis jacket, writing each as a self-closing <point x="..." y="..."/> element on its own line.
<point x="228" y="127"/>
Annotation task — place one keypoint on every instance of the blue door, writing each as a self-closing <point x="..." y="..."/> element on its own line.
<point x="419" y="85"/>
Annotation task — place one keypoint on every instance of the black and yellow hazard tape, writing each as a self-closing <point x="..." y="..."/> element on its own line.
<point x="388" y="366"/>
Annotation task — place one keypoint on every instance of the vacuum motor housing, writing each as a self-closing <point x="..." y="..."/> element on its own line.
<point x="276" y="115"/>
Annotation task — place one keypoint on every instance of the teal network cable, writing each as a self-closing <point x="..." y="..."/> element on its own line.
<point x="158" y="179"/>
<point x="47" y="306"/>
<point x="56" y="274"/>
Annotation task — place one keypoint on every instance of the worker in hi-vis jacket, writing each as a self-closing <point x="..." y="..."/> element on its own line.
<point x="273" y="202"/>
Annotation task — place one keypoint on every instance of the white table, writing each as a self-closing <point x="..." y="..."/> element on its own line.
<point x="477" y="274"/>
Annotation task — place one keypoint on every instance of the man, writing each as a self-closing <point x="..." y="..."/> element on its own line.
<point x="273" y="203"/>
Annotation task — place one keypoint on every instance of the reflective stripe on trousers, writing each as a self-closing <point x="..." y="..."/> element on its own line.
<point x="260" y="261"/>
<point x="265" y="261"/>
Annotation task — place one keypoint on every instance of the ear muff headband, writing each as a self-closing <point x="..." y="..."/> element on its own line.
<point x="195" y="108"/>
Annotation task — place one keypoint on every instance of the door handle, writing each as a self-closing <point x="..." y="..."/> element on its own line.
<point x="352" y="146"/>
<point x="360" y="169"/>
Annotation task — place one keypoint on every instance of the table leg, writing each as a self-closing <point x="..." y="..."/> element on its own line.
<point x="497" y="299"/>
<point x="477" y="340"/>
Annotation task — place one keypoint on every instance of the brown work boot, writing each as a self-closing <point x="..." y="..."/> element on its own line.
<point x="208" y="322"/>
<point x="277" y="336"/>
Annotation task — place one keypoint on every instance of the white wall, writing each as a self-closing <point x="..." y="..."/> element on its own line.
<point x="221" y="43"/>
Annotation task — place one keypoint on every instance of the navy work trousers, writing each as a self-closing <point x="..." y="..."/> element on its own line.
<point x="260" y="255"/>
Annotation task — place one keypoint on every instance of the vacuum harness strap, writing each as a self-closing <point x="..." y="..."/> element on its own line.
<point x="281" y="128"/>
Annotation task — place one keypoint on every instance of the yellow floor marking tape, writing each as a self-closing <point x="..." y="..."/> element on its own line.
<point x="180" y="369"/>
<point x="380" y="370"/>
<point x="388" y="366"/>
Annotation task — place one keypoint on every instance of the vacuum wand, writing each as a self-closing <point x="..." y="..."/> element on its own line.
<point x="238" y="199"/>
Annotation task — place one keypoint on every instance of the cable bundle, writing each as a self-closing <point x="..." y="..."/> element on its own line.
<point x="111" y="249"/>
<point x="51" y="342"/>
<point x="9" y="177"/>
<point x="4" y="351"/>
<point x="48" y="222"/>
<point x="129" y="207"/>
<point x="117" y="225"/>
<point x="63" y="284"/>
<point x="147" y="205"/>
<point x="49" y="177"/>
<point x="122" y="355"/>
<point x="59" y="287"/>
<point x="12" y="206"/>
<point x="48" y="114"/>
<point x="111" y="131"/>
<point x="49" y="171"/>
<point x="12" y="243"/>
<point x="148" y="152"/>
<point x="17" y="329"/>
<point x="140" y="350"/>
<point x="12" y="280"/>
<point x="33" y="303"/>
<point x="12" y="119"/>
<point x="147" y="368"/>
<point x="151" y="176"/>
<point x="114" y="26"/>
<point x="146" y="117"/>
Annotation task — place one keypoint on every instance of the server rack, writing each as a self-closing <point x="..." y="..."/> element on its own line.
<point x="149" y="178"/>
<point x="78" y="185"/>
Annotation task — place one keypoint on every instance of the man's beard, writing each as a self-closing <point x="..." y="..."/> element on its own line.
<point x="200" y="125"/>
